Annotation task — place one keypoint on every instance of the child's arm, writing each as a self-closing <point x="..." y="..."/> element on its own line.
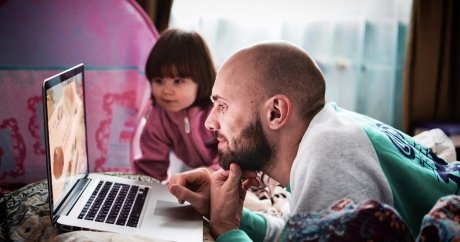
<point x="155" y="149"/>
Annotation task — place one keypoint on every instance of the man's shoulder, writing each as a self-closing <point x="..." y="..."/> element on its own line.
<point x="332" y="135"/>
<point x="333" y="127"/>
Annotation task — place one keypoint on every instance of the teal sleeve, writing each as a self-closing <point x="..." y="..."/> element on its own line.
<point x="252" y="228"/>
<point x="253" y="224"/>
<point x="234" y="235"/>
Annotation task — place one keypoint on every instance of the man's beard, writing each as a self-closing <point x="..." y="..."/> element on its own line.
<point x="252" y="152"/>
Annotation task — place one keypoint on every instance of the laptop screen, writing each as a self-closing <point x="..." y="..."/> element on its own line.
<point x="65" y="131"/>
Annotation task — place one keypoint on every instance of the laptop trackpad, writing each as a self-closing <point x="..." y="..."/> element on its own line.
<point x="175" y="211"/>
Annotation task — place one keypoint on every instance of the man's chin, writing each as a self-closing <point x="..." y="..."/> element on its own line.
<point x="248" y="161"/>
<point x="225" y="165"/>
<point x="225" y="161"/>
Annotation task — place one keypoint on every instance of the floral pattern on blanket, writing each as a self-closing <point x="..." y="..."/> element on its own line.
<point x="24" y="216"/>
<point x="346" y="221"/>
<point x="374" y="221"/>
<point x="442" y="223"/>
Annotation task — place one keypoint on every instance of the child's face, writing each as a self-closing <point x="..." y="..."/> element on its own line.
<point x="174" y="94"/>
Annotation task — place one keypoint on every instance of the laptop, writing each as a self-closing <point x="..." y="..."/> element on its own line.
<point x="80" y="200"/>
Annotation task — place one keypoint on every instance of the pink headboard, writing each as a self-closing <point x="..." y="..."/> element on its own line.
<point x="41" y="38"/>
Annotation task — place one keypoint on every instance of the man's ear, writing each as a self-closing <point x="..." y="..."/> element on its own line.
<point x="278" y="111"/>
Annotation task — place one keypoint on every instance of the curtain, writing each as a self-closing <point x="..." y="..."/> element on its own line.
<point x="159" y="12"/>
<point x="359" y="45"/>
<point x="432" y="68"/>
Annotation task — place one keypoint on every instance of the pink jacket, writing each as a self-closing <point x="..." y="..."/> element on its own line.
<point x="182" y="132"/>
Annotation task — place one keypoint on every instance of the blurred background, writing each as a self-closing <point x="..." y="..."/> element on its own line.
<point x="394" y="60"/>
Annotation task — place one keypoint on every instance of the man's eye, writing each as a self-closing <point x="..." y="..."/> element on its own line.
<point x="221" y="107"/>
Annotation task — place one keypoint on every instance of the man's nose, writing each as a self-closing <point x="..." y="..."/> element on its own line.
<point x="211" y="122"/>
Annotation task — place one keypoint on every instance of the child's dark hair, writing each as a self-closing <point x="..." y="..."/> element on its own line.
<point x="180" y="53"/>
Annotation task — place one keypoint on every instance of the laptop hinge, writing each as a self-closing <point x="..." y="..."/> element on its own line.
<point x="72" y="198"/>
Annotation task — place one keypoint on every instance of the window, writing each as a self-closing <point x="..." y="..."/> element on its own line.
<point x="359" y="44"/>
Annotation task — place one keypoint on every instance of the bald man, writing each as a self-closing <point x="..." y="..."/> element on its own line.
<point x="270" y="115"/>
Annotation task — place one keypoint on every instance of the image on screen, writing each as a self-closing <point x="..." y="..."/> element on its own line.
<point x="66" y="125"/>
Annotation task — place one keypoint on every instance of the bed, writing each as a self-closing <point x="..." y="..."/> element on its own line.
<point x="24" y="215"/>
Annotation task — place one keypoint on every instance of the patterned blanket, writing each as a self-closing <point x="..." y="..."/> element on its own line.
<point x="25" y="216"/>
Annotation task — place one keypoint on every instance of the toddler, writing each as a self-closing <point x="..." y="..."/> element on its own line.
<point x="181" y="73"/>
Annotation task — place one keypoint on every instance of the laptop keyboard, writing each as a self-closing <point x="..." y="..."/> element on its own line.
<point x="115" y="203"/>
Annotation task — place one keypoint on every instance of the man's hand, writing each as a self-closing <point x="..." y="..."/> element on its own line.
<point x="227" y="197"/>
<point x="194" y="187"/>
<point x="251" y="178"/>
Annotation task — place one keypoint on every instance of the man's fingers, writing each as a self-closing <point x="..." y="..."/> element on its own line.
<point x="184" y="194"/>
<point x="178" y="192"/>
<point x="250" y="183"/>
<point x="235" y="174"/>
<point x="195" y="176"/>
<point x="250" y="174"/>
